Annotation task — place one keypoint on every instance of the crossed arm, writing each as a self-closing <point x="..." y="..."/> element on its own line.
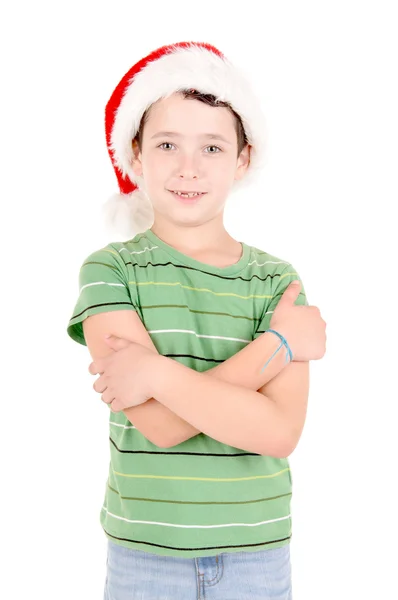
<point x="263" y="412"/>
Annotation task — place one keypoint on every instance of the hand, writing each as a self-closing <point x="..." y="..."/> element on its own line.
<point x="125" y="375"/>
<point x="301" y="326"/>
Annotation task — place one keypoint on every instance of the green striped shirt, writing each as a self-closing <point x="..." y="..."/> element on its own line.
<point x="201" y="497"/>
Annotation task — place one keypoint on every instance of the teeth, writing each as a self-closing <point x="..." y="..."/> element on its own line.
<point x="191" y="195"/>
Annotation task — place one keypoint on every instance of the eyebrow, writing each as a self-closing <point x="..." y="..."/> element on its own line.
<point x="213" y="136"/>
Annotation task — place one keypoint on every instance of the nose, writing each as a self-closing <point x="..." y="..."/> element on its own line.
<point x="188" y="167"/>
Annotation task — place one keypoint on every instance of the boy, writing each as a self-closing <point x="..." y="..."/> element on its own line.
<point x="197" y="503"/>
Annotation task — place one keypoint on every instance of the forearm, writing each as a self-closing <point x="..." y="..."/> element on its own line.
<point x="291" y="394"/>
<point x="243" y="369"/>
<point x="231" y="414"/>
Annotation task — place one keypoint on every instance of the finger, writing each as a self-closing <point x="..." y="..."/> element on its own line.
<point x="290" y="294"/>
<point x="115" y="406"/>
<point x="99" y="385"/>
<point x="96" y="368"/>
<point x="107" y="396"/>
<point x="116" y="343"/>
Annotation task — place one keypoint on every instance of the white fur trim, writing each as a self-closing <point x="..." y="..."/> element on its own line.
<point x="128" y="214"/>
<point x="198" y="68"/>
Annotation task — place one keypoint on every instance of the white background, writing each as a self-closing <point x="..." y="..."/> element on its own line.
<point x="326" y="74"/>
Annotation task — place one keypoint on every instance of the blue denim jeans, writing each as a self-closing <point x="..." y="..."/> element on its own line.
<point x="137" y="575"/>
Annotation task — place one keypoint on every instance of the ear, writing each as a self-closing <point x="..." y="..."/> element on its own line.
<point x="243" y="162"/>
<point x="136" y="162"/>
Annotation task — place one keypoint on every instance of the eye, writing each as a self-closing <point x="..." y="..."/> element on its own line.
<point x="216" y="147"/>
<point x="165" y="144"/>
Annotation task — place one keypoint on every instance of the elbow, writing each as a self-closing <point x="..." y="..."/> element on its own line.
<point x="290" y="446"/>
<point x="162" y="443"/>
<point x="277" y="453"/>
<point x="281" y="448"/>
<point x="167" y="442"/>
<point x="287" y="450"/>
<point x="292" y="439"/>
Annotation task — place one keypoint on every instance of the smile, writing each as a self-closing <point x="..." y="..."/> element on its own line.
<point x="187" y="194"/>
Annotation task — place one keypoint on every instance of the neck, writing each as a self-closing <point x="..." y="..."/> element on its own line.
<point x="192" y="239"/>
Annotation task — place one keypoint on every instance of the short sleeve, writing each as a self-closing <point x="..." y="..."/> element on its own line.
<point x="283" y="281"/>
<point x="103" y="287"/>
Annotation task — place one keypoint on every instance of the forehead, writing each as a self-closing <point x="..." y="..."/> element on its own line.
<point x="190" y="116"/>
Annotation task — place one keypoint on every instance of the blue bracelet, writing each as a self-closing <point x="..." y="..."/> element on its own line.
<point x="284" y="343"/>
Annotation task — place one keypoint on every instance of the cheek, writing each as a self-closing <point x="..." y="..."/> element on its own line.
<point x="223" y="174"/>
<point x="155" y="169"/>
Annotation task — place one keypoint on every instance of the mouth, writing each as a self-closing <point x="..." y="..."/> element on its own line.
<point x="187" y="196"/>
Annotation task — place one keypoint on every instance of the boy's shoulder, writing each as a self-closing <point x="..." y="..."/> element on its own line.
<point x="119" y="249"/>
<point x="262" y="258"/>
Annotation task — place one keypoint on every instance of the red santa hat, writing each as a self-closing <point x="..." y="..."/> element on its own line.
<point x="180" y="66"/>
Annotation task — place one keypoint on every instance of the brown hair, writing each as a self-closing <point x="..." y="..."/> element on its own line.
<point x="207" y="99"/>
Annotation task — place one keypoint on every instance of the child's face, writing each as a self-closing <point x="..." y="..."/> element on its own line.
<point x="189" y="160"/>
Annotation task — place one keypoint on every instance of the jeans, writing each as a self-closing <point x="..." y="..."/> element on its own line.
<point x="136" y="575"/>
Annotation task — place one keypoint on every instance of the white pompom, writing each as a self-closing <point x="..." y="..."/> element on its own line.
<point x="128" y="214"/>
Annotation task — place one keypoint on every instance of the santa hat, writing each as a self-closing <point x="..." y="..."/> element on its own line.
<point x="184" y="65"/>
